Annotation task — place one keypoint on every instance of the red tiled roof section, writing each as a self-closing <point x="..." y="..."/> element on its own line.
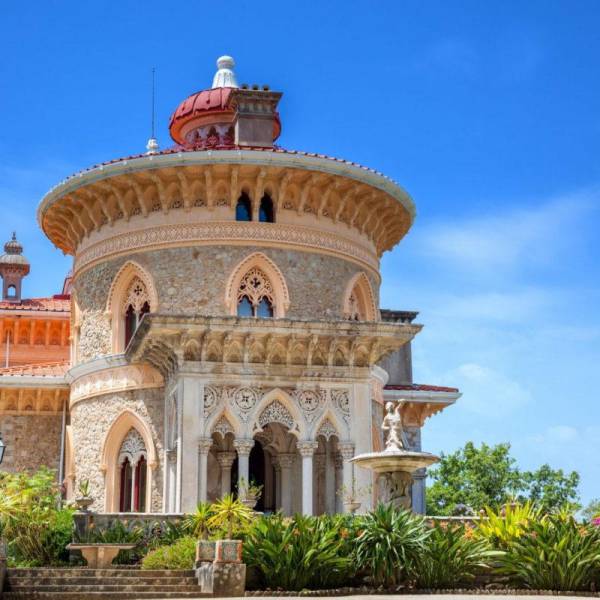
<point x="207" y="101"/>
<point x="420" y="387"/>
<point x="50" y="369"/>
<point x="57" y="303"/>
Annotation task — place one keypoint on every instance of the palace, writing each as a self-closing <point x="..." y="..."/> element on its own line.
<point x="221" y="323"/>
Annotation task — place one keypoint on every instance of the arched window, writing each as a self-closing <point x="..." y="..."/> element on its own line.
<point x="243" y="209"/>
<point x="133" y="466"/>
<point x="136" y="305"/>
<point x="11" y="291"/>
<point x="265" y="214"/>
<point x="255" y="295"/>
<point x="359" y="301"/>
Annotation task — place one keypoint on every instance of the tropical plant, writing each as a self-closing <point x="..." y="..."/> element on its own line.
<point x="554" y="553"/>
<point x="179" y="555"/>
<point x="298" y="553"/>
<point x="197" y="523"/>
<point x="36" y="530"/>
<point x="453" y="557"/>
<point x="249" y="491"/>
<point x="390" y="544"/>
<point x="508" y="524"/>
<point x="229" y="514"/>
<point x="117" y="532"/>
<point x="84" y="488"/>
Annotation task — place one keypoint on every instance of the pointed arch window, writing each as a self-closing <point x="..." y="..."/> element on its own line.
<point x="359" y="301"/>
<point x="255" y="295"/>
<point x="266" y="213"/>
<point x="137" y="304"/>
<point x="133" y="465"/>
<point x="243" y="209"/>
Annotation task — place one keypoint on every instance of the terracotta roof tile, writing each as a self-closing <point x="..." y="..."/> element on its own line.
<point x="420" y="387"/>
<point x="57" y="303"/>
<point x="49" y="369"/>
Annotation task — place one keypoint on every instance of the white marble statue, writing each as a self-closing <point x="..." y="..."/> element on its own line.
<point x="392" y="428"/>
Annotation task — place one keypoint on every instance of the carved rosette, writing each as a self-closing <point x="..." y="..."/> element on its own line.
<point x="211" y="399"/>
<point x="243" y="400"/>
<point x="311" y="402"/>
<point x="341" y="401"/>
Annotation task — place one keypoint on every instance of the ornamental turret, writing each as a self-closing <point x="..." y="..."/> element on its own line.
<point x="13" y="267"/>
<point x="227" y="115"/>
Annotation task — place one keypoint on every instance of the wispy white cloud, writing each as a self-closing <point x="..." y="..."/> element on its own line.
<point x="515" y="238"/>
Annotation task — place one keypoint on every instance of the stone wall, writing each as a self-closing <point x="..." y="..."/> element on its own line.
<point x="193" y="280"/>
<point x="91" y="420"/>
<point x="32" y="441"/>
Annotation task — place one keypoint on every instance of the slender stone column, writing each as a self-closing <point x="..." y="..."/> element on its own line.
<point x="286" y="462"/>
<point x="339" y="482"/>
<point x="172" y="470"/>
<point x="243" y="447"/>
<point x="225" y="461"/>
<point x="347" y="451"/>
<point x="319" y="461"/>
<point x="276" y="483"/>
<point x="329" y="479"/>
<point x="204" y="446"/>
<point x="307" y="449"/>
<point x="269" y="492"/>
<point x="133" y="484"/>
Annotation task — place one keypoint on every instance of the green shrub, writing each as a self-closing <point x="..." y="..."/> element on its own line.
<point x="36" y="530"/>
<point x="554" y="553"/>
<point x="180" y="555"/>
<point x="453" y="557"/>
<point x="298" y="553"/>
<point x="503" y="527"/>
<point x="389" y="546"/>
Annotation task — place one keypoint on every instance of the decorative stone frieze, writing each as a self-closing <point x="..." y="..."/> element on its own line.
<point x="327" y="430"/>
<point x="120" y="379"/>
<point x="33" y="400"/>
<point x="276" y="413"/>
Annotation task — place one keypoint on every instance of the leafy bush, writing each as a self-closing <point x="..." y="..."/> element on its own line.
<point x="390" y="544"/>
<point x="453" y="557"/>
<point x="298" y="553"/>
<point x="503" y="527"/>
<point x="229" y="515"/>
<point x="198" y="523"/>
<point x="554" y="553"/>
<point x="37" y="531"/>
<point x="179" y="555"/>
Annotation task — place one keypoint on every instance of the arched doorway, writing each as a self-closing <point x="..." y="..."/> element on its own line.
<point x="257" y="472"/>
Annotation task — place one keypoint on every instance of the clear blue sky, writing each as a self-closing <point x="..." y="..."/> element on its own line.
<point x="488" y="113"/>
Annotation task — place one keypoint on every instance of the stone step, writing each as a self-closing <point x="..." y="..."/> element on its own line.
<point x="108" y="588"/>
<point x="100" y="573"/>
<point x="35" y="582"/>
<point x="62" y="595"/>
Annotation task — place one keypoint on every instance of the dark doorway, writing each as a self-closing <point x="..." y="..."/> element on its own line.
<point x="257" y="472"/>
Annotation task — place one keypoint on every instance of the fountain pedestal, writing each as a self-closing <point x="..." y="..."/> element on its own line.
<point x="394" y="469"/>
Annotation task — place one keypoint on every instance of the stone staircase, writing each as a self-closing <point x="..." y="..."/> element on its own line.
<point x="104" y="584"/>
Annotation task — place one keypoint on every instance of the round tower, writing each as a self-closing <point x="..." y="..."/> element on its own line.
<point x="225" y="308"/>
<point x="13" y="267"/>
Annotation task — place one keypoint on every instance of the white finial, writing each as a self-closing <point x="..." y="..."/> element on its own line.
<point x="152" y="146"/>
<point x="225" y="77"/>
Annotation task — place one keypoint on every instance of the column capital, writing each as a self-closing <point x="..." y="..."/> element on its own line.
<point x="243" y="445"/>
<point x="286" y="460"/>
<point x="307" y="448"/>
<point x="346" y="449"/>
<point x="204" y="445"/>
<point x="226" y="459"/>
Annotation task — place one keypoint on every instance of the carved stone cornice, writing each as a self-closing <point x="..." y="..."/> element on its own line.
<point x="224" y="233"/>
<point x="118" y="379"/>
<point x="32" y="401"/>
<point x="126" y="190"/>
<point x="162" y="341"/>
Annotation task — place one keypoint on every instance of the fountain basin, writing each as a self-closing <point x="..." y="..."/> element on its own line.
<point x="392" y="461"/>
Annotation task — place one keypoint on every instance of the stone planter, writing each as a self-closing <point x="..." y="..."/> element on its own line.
<point x="228" y="551"/>
<point x="2" y="573"/>
<point x="205" y="551"/>
<point x="249" y="501"/>
<point x="83" y="503"/>
<point x="351" y="507"/>
<point x="100" y="556"/>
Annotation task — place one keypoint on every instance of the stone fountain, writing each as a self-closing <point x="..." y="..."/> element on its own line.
<point x="395" y="466"/>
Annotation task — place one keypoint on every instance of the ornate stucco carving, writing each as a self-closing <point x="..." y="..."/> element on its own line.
<point x="227" y="232"/>
<point x="276" y="413"/>
<point x="212" y="396"/>
<point x="133" y="447"/>
<point x="327" y="430"/>
<point x="120" y="379"/>
<point x="310" y="401"/>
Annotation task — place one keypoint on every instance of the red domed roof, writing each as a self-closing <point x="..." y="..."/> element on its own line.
<point x="208" y="107"/>
<point x="207" y="102"/>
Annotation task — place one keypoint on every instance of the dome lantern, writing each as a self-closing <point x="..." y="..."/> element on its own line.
<point x="13" y="267"/>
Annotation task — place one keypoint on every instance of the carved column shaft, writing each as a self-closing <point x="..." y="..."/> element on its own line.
<point x="204" y="446"/>
<point x="225" y="461"/>
<point x="307" y="449"/>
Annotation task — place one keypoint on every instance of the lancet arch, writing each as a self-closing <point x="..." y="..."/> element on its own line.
<point x="268" y="278"/>
<point x="278" y="407"/>
<point x="113" y="453"/>
<point x="132" y="293"/>
<point x="359" y="299"/>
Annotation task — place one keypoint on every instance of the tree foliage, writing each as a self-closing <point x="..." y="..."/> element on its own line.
<point x="489" y="476"/>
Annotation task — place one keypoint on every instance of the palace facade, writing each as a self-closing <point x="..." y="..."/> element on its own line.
<point x="221" y="323"/>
